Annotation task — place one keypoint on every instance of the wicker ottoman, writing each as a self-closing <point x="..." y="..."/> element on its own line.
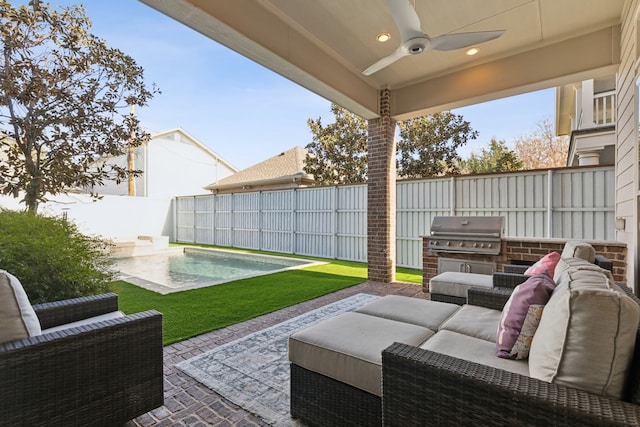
<point x="452" y="286"/>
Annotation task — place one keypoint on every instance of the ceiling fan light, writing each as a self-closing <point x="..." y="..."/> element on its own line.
<point x="383" y="37"/>
<point x="472" y="51"/>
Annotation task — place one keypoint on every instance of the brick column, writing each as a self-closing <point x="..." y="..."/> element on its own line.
<point x="381" y="195"/>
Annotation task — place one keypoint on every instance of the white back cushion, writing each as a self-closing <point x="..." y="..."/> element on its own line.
<point x="586" y="335"/>
<point x="579" y="249"/>
<point x="17" y="318"/>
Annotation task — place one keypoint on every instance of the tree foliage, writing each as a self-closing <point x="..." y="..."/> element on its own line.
<point x="497" y="158"/>
<point x="428" y="145"/>
<point x="64" y="102"/>
<point x="338" y="152"/>
<point x="51" y="258"/>
<point x="542" y="149"/>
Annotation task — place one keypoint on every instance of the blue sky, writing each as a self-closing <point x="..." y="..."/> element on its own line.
<point x="241" y="110"/>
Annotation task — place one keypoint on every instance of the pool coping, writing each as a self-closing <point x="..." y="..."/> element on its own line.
<point x="163" y="289"/>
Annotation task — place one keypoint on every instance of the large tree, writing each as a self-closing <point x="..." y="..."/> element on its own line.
<point x="428" y="145"/>
<point x="65" y="99"/>
<point x="497" y="158"/>
<point x="338" y="152"/>
<point x="542" y="148"/>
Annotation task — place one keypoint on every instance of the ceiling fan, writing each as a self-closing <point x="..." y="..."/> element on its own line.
<point x="414" y="41"/>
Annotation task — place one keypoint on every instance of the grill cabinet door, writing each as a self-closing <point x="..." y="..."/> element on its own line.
<point x="465" y="266"/>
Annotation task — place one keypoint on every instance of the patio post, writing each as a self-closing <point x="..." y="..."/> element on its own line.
<point x="381" y="194"/>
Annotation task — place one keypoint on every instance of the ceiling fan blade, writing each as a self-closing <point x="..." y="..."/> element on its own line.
<point x="387" y="60"/>
<point x="406" y="19"/>
<point x="460" y="40"/>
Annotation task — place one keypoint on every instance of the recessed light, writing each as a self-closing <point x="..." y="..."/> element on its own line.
<point x="472" y="51"/>
<point x="383" y="37"/>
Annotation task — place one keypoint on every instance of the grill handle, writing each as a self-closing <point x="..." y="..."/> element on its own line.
<point x="464" y="251"/>
<point x="461" y="234"/>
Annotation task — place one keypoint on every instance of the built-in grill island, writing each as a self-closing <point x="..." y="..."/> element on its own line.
<point x="466" y="243"/>
<point x="477" y="244"/>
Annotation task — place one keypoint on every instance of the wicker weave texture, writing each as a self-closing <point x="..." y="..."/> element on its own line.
<point x="508" y="280"/>
<point x="494" y="298"/>
<point x="427" y="388"/>
<point x="320" y="401"/>
<point x="58" y="313"/>
<point x="515" y="268"/>
<point x="102" y="374"/>
<point x="447" y="298"/>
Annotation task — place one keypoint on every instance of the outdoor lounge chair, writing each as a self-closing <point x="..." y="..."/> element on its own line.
<point x="99" y="374"/>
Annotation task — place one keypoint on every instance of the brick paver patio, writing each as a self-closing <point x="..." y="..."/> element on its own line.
<point x="189" y="403"/>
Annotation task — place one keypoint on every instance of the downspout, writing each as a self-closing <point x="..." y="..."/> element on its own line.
<point x="145" y="174"/>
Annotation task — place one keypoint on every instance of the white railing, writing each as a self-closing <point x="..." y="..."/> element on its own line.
<point x="604" y="108"/>
<point x="331" y="222"/>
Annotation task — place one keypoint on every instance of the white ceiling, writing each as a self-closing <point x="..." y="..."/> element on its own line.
<point x="325" y="45"/>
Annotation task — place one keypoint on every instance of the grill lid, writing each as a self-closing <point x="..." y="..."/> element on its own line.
<point x="466" y="234"/>
<point x="468" y="226"/>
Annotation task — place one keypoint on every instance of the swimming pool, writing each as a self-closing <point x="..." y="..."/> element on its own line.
<point x="192" y="268"/>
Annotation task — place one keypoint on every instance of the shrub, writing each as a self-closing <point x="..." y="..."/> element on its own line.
<point x="51" y="258"/>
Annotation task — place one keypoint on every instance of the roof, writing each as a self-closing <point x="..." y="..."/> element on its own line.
<point x="195" y="142"/>
<point x="284" y="167"/>
<point x="327" y="45"/>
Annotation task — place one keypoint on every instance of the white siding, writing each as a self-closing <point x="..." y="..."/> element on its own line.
<point x="627" y="184"/>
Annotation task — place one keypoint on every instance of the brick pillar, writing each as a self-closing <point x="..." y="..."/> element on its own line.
<point x="381" y="195"/>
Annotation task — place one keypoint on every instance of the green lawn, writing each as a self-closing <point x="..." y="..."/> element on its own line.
<point x="191" y="313"/>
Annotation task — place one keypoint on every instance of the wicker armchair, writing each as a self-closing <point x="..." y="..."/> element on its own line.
<point x="101" y="374"/>
<point x="427" y="388"/>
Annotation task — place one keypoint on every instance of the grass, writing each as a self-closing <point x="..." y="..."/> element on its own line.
<point x="194" y="312"/>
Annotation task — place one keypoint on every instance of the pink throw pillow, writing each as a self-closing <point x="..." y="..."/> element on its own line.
<point x="546" y="265"/>
<point x="521" y="316"/>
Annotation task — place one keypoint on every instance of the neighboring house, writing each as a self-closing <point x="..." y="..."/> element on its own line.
<point x="284" y="171"/>
<point x="586" y="112"/>
<point x="174" y="163"/>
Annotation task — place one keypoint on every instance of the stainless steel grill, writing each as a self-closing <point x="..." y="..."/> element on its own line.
<point x="466" y="235"/>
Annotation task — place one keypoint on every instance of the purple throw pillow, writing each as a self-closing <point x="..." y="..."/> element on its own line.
<point x="521" y="315"/>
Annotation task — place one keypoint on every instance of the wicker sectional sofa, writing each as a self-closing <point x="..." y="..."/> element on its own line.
<point x="401" y="361"/>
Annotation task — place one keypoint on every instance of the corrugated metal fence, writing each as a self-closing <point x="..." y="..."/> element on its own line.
<point x="331" y="222"/>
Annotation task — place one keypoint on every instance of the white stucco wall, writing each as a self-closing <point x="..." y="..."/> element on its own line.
<point x="173" y="165"/>
<point x="177" y="167"/>
<point x="111" y="216"/>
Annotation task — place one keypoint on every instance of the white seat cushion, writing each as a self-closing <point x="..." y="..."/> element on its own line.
<point x="456" y="284"/>
<point x="348" y="347"/>
<point x="474" y="321"/>
<point x="429" y="314"/>
<point x="474" y="350"/>
<point x="17" y="318"/>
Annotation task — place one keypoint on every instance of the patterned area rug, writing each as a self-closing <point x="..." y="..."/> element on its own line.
<point x="253" y="371"/>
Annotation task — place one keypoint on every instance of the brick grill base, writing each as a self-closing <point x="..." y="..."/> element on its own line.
<point x="526" y="249"/>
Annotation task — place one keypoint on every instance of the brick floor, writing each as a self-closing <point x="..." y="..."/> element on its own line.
<point x="189" y="403"/>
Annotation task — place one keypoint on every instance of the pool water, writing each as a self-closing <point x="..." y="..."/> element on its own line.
<point x="196" y="268"/>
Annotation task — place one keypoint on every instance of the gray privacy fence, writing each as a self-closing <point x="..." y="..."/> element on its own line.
<point x="331" y="222"/>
